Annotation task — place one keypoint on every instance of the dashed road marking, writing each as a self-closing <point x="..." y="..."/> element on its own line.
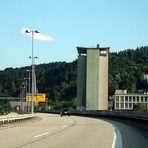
<point x="64" y="126"/>
<point x="37" y="136"/>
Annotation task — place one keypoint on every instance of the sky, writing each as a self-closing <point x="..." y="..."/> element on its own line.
<point x="66" y="24"/>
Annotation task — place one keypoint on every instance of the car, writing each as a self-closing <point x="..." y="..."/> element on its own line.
<point x="65" y="111"/>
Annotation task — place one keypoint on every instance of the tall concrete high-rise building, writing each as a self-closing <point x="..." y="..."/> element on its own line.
<point x="92" y="78"/>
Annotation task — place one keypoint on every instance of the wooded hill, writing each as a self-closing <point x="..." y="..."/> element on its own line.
<point x="127" y="69"/>
<point x="58" y="79"/>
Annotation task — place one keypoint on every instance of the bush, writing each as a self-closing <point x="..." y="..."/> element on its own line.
<point x="140" y="106"/>
<point x="2" y="110"/>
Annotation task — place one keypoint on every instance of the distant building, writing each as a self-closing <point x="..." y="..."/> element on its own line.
<point x="124" y="100"/>
<point x="92" y="78"/>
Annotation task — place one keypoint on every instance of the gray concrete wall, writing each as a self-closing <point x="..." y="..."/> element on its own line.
<point x="92" y="80"/>
<point x="81" y="82"/>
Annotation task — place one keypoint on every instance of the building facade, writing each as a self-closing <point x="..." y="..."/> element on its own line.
<point x="92" y="78"/>
<point x="125" y="101"/>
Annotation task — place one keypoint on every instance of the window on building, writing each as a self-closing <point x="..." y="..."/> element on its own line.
<point x="137" y="98"/>
<point x="146" y="100"/>
<point x="134" y="99"/>
<point x="122" y="106"/>
<point x="141" y="98"/>
<point x="122" y="98"/>
<point x="130" y="99"/>
<point x="117" y="98"/>
<point x="126" y="105"/>
<point x="126" y="98"/>
<point x="117" y="105"/>
<point x="130" y="105"/>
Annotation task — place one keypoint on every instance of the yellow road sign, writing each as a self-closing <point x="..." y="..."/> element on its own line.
<point x="37" y="98"/>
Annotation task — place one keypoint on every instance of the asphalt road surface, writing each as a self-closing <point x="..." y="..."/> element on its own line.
<point x="134" y="134"/>
<point x="53" y="131"/>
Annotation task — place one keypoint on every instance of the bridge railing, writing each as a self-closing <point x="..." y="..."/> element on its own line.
<point x="6" y="119"/>
<point x="126" y="114"/>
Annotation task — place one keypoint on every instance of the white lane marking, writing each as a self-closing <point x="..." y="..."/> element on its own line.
<point x="114" y="140"/>
<point x="40" y="135"/>
<point x="64" y="126"/>
<point x="117" y="141"/>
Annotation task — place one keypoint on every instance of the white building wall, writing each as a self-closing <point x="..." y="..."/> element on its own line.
<point x="103" y="82"/>
<point x="129" y="100"/>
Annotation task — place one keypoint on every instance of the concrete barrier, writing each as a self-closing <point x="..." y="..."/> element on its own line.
<point x="14" y="118"/>
<point x="141" y="115"/>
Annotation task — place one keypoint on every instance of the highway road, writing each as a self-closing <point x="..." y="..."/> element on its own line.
<point x="53" y="131"/>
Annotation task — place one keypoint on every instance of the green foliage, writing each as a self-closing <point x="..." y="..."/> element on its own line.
<point x="2" y="110"/>
<point x="64" y="104"/>
<point x="4" y="106"/>
<point x="40" y="107"/>
<point x="140" y="106"/>
<point x="57" y="80"/>
<point x="127" y="69"/>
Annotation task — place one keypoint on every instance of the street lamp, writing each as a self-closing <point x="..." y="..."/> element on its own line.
<point x="35" y="88"/>
<point x="29" y="82"/>
<point x="26" y="86"/>
<point x="22" y="96"/>
<point x="33" y="69"/>
<point x="28" y="93"/>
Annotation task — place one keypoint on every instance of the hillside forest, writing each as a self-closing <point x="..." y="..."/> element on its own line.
<point x="128" y="70"/>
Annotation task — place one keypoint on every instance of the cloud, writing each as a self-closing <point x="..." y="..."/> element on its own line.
<point x="37" y="36"/>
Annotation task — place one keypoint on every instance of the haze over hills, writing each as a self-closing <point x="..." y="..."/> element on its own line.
<point x="58" y="80"/>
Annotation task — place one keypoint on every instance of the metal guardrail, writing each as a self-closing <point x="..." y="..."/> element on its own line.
<point x="7" y="119"/>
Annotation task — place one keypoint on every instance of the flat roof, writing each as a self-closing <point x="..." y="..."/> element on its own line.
<point x="132" y="94"/>
<point x="84" y="49"/>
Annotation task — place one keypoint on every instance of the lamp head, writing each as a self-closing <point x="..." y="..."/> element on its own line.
<point x="27" y="31"/>
<point x="36" y="31"/>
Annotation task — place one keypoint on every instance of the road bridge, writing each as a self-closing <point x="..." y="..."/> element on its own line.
<point x="74" y="132"/>
<point x="59" y="132"/>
